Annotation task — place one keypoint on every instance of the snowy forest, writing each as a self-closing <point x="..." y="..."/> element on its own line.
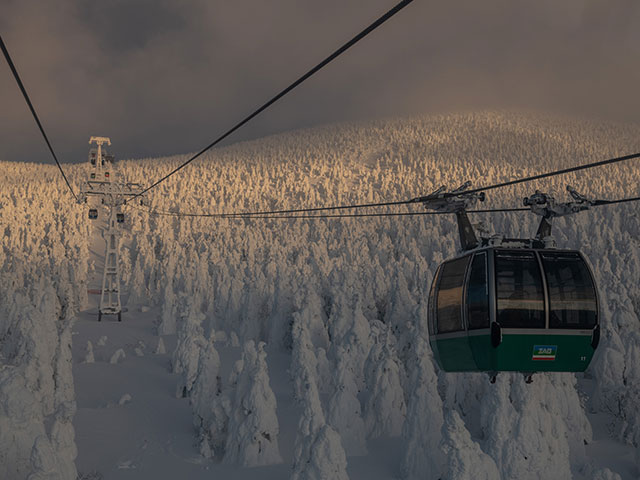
<point x="298" y="348"/>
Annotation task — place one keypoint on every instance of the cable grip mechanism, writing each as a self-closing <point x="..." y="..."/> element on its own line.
<point x="450" y="202"/>
<point x="547" y="207"/>
<point x="456" y="201"/>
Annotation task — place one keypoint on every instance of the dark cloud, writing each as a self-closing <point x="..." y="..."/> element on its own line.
<point x="162" y="77"/>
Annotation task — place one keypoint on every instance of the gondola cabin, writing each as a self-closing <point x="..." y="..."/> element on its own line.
<point x="93" y="213"/>
<point x="514" y="309"/>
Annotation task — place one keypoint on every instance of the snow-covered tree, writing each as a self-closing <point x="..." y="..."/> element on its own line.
<point x="210" y="405"/>
<point x="187" y="353"/>
<point x="303" y="359"/>
<point x="138" y="292"/>
<point x="465" y="458"/>
<point x="167" y="323"/>
<point x="318" y="452"/>
<point x="385" y="406"/>
<point x="344" y="411"/>
<point x="253" y="425"/>
<point x="422" y="430"/>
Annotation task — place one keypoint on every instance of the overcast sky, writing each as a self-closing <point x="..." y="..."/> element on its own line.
<point x="165" y="76"/>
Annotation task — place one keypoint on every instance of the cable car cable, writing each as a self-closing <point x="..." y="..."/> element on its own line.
<point x="420" y="199"/>
<point x="33" y="111"/>
<point x="346" y="215"/>
<point x="357" y="215"/>
<point x="554" y="173"/>
<point x="610" y="202"/>
<point x="327" y="60"/>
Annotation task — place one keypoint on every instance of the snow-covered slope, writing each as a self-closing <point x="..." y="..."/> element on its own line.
<point x="298" y="347"/>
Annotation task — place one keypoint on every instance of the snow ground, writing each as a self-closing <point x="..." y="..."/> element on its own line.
<point x="151" y="437"/>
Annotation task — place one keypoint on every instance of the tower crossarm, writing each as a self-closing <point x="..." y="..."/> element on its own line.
<point x="100" y="140"/>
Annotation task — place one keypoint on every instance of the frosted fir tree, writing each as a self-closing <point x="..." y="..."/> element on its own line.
<point x="303" y="360"/>
<point x="160" y="348"/>
<point x="209" y="404"/>
<point x="282" y="308"/>
<point x="605" y="474"/>
<point x="89" y="356"/>
<point x="422" y="430"/>
<point x="324" y="371"/>
<point x="578" y="426"/>
<point x="615" y="368"/>
<point x="528" y="438"/>
<point x="67" y="302"/>
<point x="380" y="334"/>
<point x="207" y="383"/>
<point x="310" y="309"/>
<point x="340" y="317"/>
<point x="385" y="406"/>
<point x="344" y="411"/>
<point x="318" y="452"/>
<point x="186" y="355"/>
<point x="63" y="376"/>
<point x="498" y="430"/>
<point x="21" y="422"/>
<point x="400" y="315"/>
<point x="62" y="439"/>
<point x="44" y="465"/>
<point x="167" y="324"/>
<point x="35" y="341"/>
<point x="253" y="424"/>
<point x="465" y="460"/>
<point x="139" y="294"/>
<point x="353" y="333"/>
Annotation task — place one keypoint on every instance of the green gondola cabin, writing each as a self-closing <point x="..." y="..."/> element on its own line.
<point x="513" y="304"/>
<point x="503" y="309"/>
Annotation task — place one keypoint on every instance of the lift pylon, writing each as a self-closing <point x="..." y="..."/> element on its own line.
<point x="113" y="194"/>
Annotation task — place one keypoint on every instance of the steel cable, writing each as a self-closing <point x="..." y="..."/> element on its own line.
<point x="33" y="112"/>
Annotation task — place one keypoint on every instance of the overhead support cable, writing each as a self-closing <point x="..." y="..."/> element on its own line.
<point x="344" y="215"/>
<point x="354" y="215"/>
<point x="611" y="202"/>
<point x="556" y="172"/>
<point x="304" y="77"/>
<point x="33" y="112"/>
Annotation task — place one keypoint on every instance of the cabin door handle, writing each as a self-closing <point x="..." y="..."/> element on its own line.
<point x="595" y="337"/>
<point x="496" y="334"/>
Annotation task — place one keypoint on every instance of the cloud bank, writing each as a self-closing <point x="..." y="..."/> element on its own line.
<point x="162" y="77"/>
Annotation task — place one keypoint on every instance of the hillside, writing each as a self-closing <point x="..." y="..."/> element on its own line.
<point x="299" y="347"/>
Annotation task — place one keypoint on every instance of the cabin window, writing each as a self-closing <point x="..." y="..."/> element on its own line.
<point x="478" y="293"/>
<point x="572" y="296"/>
<point x="432" y="303"/>
<point x="520" y="296"/>
<point x="450" y="295"/>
